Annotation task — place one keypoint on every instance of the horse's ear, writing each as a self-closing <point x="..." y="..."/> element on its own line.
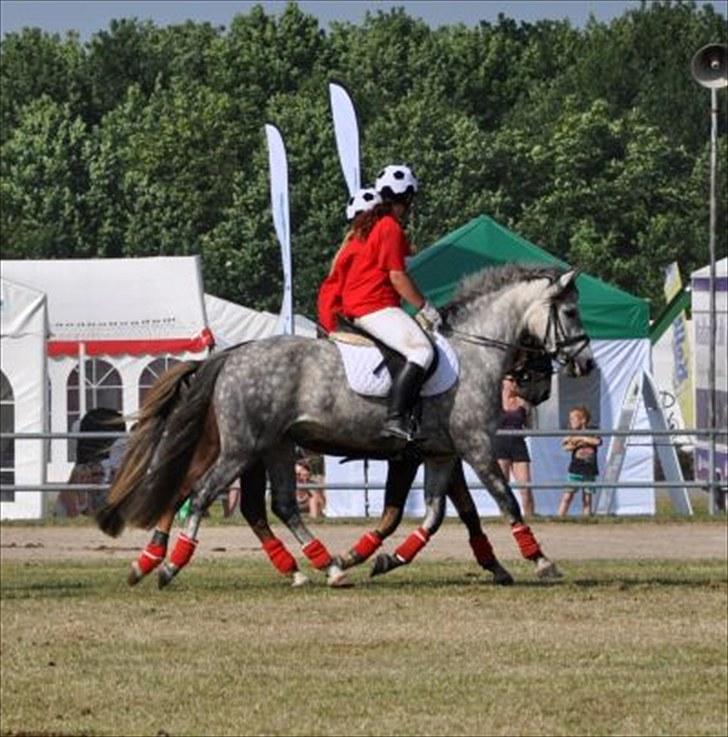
<point x="567" y="279"/>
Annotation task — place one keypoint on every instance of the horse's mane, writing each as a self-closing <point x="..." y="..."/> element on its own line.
<point x="494" y="278"/>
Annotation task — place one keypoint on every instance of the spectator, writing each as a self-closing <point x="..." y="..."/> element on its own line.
<point x="92" y="463"/>
<point x="583" y="465"/>
<point x="512" y="452"/>
<point x="231" y="499"/>
<point x="310" y="501"/>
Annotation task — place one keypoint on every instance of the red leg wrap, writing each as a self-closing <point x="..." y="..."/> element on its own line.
<point x="412" y="545"/>
<point x="316" y="552"/>
<point x="482" y="549"/>
<point x="182" y="551"/>
<point x="280" y="557"/>
<point x="151" y="557"/>
<point x="367" y="545"/>
<point x="527" y="544"/>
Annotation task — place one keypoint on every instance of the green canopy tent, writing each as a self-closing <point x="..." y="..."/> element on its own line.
<point x="607" y="312"/>
<point x="618" y="324"/>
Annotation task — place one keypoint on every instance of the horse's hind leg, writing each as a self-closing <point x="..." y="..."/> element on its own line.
<point x="252" y="505"/>
<point x="154" y="551"/>
<point x="400" y="475"/>
<point x="280" y="463"/>
<point x="462" y="500"/>
<point x="217" y="478"/>
<point x="437" y="479"/>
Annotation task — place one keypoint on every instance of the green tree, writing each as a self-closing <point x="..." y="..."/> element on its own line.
<point x="163" y="170"/>
<point x="43" y="181"/>
<point x="33" y="64"/>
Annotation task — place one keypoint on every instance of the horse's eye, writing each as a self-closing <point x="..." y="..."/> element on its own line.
<point x="571" y="313"/>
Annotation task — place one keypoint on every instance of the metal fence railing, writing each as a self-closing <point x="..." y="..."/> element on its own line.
<point x="718" y="489"/>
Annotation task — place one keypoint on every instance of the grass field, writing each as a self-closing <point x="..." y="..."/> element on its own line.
<point x="621" y="647"/>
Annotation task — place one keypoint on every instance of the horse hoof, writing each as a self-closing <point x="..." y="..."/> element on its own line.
<point x="165" y="575"/>
<point x="135" y="574"/>
<point x="384" y="563"/>
<point x="501" y="577"/>
<point x="546" y="570"/>
<point x="299" y="579"/>
<point x="338" y="580"/>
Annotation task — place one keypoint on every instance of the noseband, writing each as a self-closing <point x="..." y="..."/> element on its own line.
<point x="561" y="340"/>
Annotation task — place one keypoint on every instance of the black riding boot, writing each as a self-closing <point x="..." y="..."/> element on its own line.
<point x="405" y="389"/>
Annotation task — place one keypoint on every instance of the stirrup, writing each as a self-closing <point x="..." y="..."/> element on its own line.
<point x="394" y="429"/>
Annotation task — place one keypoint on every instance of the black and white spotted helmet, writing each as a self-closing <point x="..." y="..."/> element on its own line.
<point x="396" y="181"/>
<point x="364" y="199"/>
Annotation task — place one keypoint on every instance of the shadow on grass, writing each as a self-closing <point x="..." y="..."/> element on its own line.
<point x="47" y="589"/>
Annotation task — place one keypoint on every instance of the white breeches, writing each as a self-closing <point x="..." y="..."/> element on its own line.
<point x="398" y="330"/>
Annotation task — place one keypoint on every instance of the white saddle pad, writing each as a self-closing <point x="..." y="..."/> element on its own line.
<point x="361" y="361"/>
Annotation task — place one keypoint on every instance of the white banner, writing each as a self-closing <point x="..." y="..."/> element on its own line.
<point x="278" y="165"/>
<point x="346" y="130"/>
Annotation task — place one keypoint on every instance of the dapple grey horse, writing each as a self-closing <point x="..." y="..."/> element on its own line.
<point x="268" y="396"/>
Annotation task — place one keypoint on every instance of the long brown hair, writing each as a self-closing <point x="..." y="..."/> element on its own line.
<point x="365" y="222"/>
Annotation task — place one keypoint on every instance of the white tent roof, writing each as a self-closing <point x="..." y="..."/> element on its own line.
<point x="22" y="311"/>
<point x="721" y="269"/>
<point x="140" y="305"/>
<point x="232" y="323"/>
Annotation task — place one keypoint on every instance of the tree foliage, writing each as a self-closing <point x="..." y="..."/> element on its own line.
<point x="145" y="140"/>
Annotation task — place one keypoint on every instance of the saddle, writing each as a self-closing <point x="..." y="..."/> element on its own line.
<point x="371" y="367"/>
<point x="393" y="361"/>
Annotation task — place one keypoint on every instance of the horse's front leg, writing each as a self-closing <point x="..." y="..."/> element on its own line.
<point x="280" y="464"/>
<point x="437" y="478"/>
<point x="400" y="475"/>
<point x="252" y="506"/>
<point x="462" y="500"/>
<point x="491" y="475"/>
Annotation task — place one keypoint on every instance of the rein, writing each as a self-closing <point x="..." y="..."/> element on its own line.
<point x="561" y="340"/>
<point x="485" y="342"/>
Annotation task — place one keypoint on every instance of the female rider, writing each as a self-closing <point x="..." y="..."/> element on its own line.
<point x="374" y="285"/>
<point x="329" y="296"/>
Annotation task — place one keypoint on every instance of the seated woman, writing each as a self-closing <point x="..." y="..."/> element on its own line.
<point x="329" y="297"/>
<point x="375" y="284"/>
<point x="310" y="501"/>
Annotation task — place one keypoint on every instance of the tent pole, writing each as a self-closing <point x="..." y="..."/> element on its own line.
<point x="81" y="380"/>
<point x="716" y="503"/>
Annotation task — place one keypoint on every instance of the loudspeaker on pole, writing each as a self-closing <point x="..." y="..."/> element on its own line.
<point x="709" y="66"/>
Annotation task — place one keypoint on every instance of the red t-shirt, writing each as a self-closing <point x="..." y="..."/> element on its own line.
<point x="329" y="296"/>
<point x="367" y="286"/>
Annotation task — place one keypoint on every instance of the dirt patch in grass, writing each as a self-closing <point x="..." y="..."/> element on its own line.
<point x="564" y="541"/>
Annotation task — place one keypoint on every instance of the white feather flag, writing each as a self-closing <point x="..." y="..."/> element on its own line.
<point x="279" y="205"/>
<point x="346" y="129"/>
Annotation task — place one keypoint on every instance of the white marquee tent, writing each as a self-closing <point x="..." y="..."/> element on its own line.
<point x="700" y="282"/>
<point x="114" y="326"/>
<point x="232" y="323"/>
<point x="24" y="328"/>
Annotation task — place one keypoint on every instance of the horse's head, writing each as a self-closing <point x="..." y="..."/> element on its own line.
<point x="554" y="319"/>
